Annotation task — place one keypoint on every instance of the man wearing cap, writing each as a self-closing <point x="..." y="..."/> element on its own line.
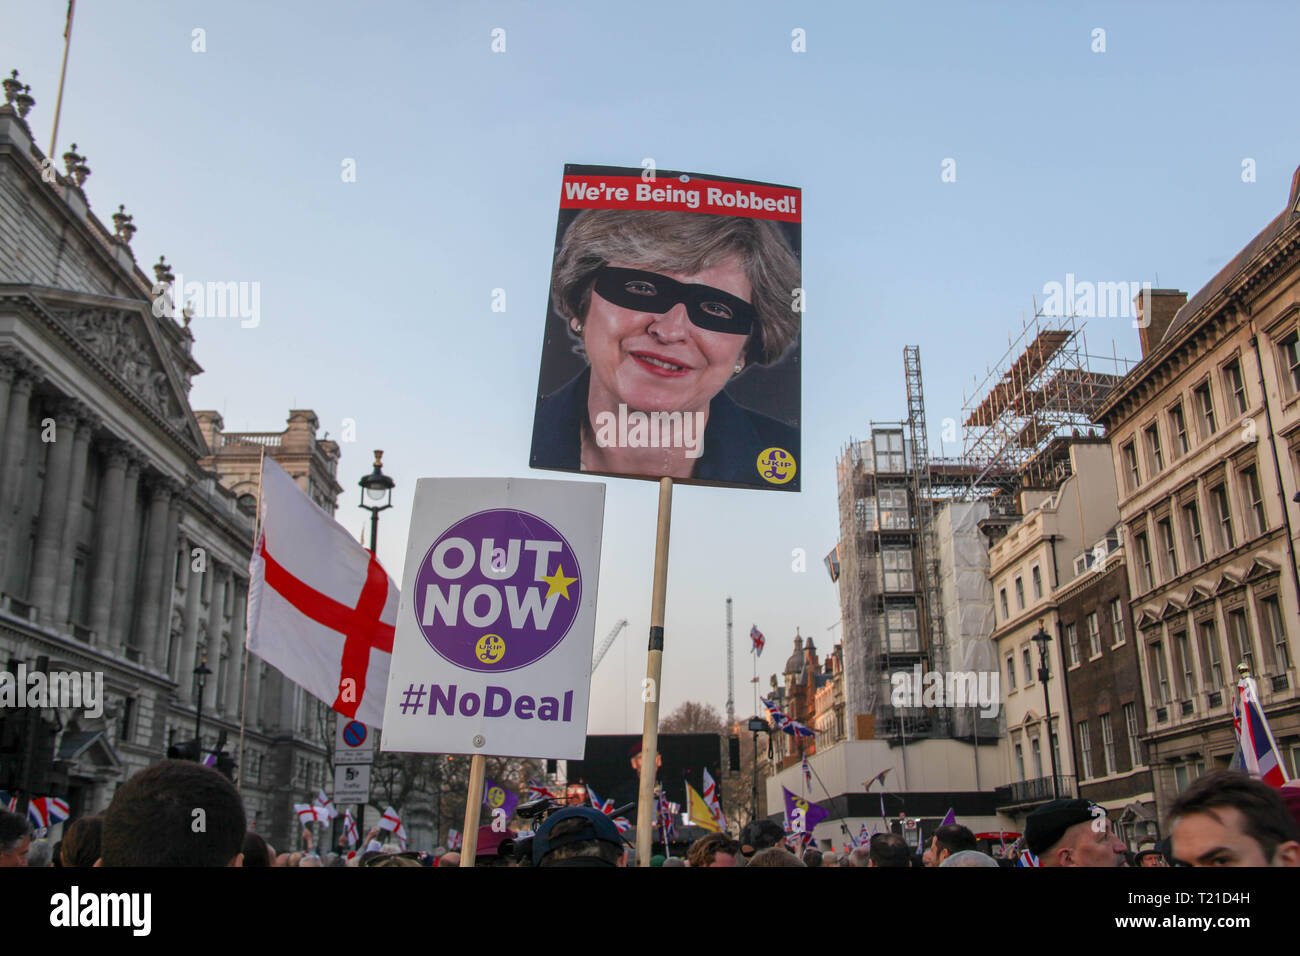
<point x="578" y="836"/>
<point x="1073" y="833"/>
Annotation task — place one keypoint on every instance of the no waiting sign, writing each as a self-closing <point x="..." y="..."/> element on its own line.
<point x="354" y="743"/>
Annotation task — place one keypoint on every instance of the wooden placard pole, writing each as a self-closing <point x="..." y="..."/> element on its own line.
<point x="473" y="803"/>
<point x="651" y="690"/>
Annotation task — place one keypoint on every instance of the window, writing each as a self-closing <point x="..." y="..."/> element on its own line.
<point x="1159" y="674"/>
<point x="1187" y="679"/>
<point x="1254" y="500"/>
<point x="128" y="711"/>
<point x="1205" y="408"/>
<point x="1239" y="634"/>
<point x="1024" y="658"/>
<point x="1108" y="744"/>
<point x="1167" y="545"/>
<point x="889" y="452"/>
<point x="1117" y="621"/>
<point x="898" y="568"/>
<point x="1154" y="454"/>
<point x="1085" y="751"/>
<point x="1006" y="611"/>
<point x="1037" y="582"/>
<point x="1236" y="386"/>
<point x="1272" y="616"/>
<point x="1020" y="762"/>
<point x="1195" y="542"/>
<point x="1020" y="594"/>
<point x="1145" y="581"/>
<point x="1131" y="467"/>
<point x="1223" y="515"/>
<point x="1094" y="635"/>
<point x="1290" y="348"/>
<point x="893" y="508"/>
<point x="1180" y="777"/>
<point x="904" y="633"/>
<point x="1178" y="428"/>
<point x="1011" y="672"/>
<point x="1072" y="643"/>
<point x="1211" y="656"/>
<point x="1131" y="728"/>
<point x="1038" y="758"/>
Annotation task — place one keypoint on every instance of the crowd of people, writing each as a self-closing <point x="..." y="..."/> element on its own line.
<point x="177" y="813"/>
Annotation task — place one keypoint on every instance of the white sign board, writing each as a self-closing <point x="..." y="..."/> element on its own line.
<point x="492" y="652"/>
<point x="354" y="742"/>
<point x="352" y="783"/>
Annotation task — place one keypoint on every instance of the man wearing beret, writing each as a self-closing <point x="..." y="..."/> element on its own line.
<point x="1072" y="833"/>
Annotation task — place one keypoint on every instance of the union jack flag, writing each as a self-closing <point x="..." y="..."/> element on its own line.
<point x="759" y="640"/>
<point x="711" y="798"/>
<point x="1027" y="859"/>
<point x="1258" y="749"/>
<point x="782" y="722"/>
<point x="807" y="772"/>
<point x="667" y="813"/>
<point x="536" y="791"/>
<point x="44" y="812"/>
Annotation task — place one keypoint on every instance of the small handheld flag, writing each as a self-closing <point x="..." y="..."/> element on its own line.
<point x="700" y="813"/>
<point x="350" y="828"/>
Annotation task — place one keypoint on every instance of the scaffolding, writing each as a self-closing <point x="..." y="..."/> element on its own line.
<point x="1042" y="392"/>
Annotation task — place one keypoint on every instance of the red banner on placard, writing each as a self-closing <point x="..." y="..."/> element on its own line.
<point x="592" y="191"/>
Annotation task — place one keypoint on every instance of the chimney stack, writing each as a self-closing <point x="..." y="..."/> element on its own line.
<point x="1156" y="309"/>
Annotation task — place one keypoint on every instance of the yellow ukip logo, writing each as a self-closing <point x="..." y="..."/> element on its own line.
<point x="490" y="648"/>
<point x="776" y="466"/>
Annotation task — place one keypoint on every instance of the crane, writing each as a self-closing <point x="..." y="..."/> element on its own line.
<point x="606" y="644"/>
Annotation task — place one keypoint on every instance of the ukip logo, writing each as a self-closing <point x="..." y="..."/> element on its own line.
<point x="495" y="797"/>
<point x="497" y="591"/>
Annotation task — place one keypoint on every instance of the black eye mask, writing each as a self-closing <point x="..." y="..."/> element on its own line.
<point x="707" y="307"/>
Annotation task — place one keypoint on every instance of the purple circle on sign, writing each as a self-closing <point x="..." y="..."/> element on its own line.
<point x="497" y="591"/>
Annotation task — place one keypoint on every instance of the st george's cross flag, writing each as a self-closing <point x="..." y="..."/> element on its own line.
<point x="320" y="608"/>
<point x="309" y="813"/>
<point x="759" y="641"/>
<point x="350" y="832"/>
<point x="711" y="798"/>
<point x="326" y="804"/>
<point x="393" y="823"/>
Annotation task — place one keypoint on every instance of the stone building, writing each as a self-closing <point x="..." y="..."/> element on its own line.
<point x="1205" y="439"/>
<point x="121" y="553"/>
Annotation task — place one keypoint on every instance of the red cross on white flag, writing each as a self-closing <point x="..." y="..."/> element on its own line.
<point x="320" y="608"/>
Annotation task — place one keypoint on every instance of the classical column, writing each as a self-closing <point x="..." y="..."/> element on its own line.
<point x="219" y="573"/>
<point x="167" y="581"/>
<point x="128" y="538"/>
<point x="108" y="526"/>
<point x="234" y="692"/>
<point x="13" y="458"/>
<point x="186" y="661"/>
<point x="72" y="525"/>
<point x="253" y="706"/>
<point x="54" y="510"/>
<point x="8" y="368"/>
<point x="156" y="547"/>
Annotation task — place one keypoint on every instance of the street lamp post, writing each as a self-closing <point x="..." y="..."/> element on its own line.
<point x="201" y="674"/>
<point x="1041" y="639"/>
<point x="756" y="725"/>
<point x="377" y="487"/>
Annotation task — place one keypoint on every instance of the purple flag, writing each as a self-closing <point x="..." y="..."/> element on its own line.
<point x="950" y="819"/>
<point x="495" y="795"/>
<point x="800" y="815"/>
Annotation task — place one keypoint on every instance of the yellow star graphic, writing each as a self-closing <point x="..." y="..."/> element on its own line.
<point x="559" y="584"/>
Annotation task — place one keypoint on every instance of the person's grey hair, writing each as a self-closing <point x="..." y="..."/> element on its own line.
<point x="969" y="858"/>
<point x="688" y="243"/>
<point x="40" y="853"/>
<point x="674" y="861"/>
<point x="860" y="856"/>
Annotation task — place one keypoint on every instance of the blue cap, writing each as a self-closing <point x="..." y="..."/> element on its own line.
<point x="598" y="827"/>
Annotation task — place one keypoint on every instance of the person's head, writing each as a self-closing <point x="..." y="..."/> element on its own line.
<point x="843" y="861"/>
<point x="381" y="858"/>
<point x="759" y="835"/>
<point x="81" y="841"/>
<point x="674" y="861"/>
<point x="256" y="852"/>
<point x="716" y="849"/>
<point x="449" y="859"/>
<point x="891" y="850"/>
<point x="775" y="856"/>
<point x="829" y="858"/>
<point x="40" y="853"/>
<point x="946" y="841"/>
<point x="153" y="819"/>
<point x="861" y="856"/>
<point x="282" y="859"/>
<point x="812" y="857"/>
<point x="1073" y="833"/>
<point x="493" y="848"/>
<point x="969" y="858"/>
<point x="704" y="294"/>
<point x="635" y="756"/>
<point x="15" y="839"/>
<point x="1228" y="819"/>
<point x="578" y="836"/>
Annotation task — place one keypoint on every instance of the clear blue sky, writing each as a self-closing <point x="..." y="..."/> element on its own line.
<point x="376" y="295"/>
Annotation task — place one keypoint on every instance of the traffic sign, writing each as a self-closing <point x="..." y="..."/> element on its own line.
<point x="352" y="783"/>
<point x="354" y="743"/>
